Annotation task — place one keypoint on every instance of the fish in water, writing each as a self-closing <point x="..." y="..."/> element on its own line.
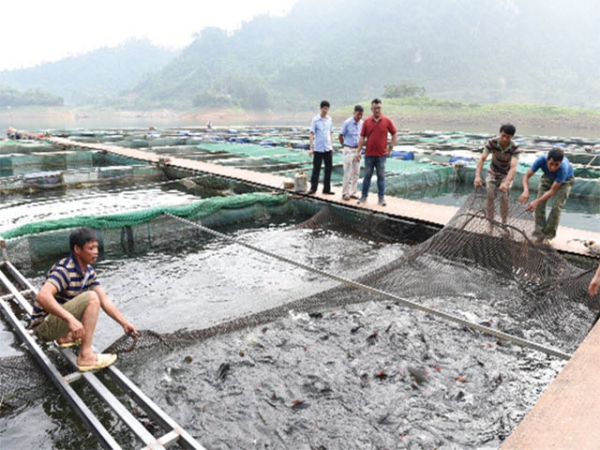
<point x="419" y="375"/>
<point x="223" y="371"/>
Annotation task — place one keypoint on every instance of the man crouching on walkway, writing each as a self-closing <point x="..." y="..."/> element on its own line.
<point x="556" y="181"/>
<point x="69" y="302"/>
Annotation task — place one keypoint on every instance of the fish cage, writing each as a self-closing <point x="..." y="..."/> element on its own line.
<point x="299" y="323"/>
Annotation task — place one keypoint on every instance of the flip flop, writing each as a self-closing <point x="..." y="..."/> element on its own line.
<point x="70" y="344"/>
<point x="104" y="360"/>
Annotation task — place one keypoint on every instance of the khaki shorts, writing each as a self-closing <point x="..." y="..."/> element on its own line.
<point x="53" y="328"/>
<point x="493" y="182"/>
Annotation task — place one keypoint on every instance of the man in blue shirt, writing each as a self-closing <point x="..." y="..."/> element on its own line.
<point x="321" y="146"/>
<point x="557" y="181"/>
<point x="349" y="135"/>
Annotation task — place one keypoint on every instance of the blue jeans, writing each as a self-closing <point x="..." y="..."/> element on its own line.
<point x="377" y="163"/>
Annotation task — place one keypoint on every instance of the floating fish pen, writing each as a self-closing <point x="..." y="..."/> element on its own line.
<point x="144" y="230"/>
<point x="270" y="319"/>
<point x="62" y="169"/>
<point x="8" y="146"/>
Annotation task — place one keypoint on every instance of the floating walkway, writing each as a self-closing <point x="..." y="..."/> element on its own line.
<point x="174" y="434"/>
<point x="568" y="240"/>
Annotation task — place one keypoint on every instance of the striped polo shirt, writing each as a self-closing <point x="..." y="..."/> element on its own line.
<point x="501" y="158"/>
<point x="69" y="280"/>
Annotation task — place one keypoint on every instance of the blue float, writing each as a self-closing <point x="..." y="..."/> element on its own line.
<point x="407" y="156"/>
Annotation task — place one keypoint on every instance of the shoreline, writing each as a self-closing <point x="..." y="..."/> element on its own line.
<point x="41" y="119"/>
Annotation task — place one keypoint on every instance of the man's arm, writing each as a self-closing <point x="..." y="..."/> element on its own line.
<point x="311" y="140"/>
<point x="478" y="181"/>
<point x="111" y="309"/>
<point x="331" y="140"/>
<point x="524" y="198"/>
<point x="505" y="186"/>
<point x="361" y="142"/>
<point x="392" y="143"/>
<point x="46" y="300"/>
<point x="595" y="283"/>
<point x="341" y="139"/>
<point x="547" y="196"/>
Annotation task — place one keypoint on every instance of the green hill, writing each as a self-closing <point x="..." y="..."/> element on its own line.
<point x="98" y="77"/>
<point x="484" y="51"/>
<point x="489" y="51"/>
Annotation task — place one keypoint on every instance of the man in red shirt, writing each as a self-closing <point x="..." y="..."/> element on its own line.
<point x="375" y="131"/>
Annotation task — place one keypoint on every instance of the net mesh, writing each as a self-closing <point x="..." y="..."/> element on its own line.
<point x="193" y="211"/>
<point x="22" y="383"/>
<point x="475" y="266"/>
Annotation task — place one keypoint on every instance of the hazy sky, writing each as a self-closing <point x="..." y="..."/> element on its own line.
<point x="34" y="31"/>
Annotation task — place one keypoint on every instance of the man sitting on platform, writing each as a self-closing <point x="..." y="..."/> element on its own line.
<point x="68" y="304"/>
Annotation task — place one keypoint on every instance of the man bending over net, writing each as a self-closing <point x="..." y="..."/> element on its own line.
<point x="68" y="304"/>
<point x="556" y="183"/>
<point x="500" y="175"/>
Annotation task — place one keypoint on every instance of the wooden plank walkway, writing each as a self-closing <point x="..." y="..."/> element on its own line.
<point x="567" y="239"/>
<point x="566" y="416"/>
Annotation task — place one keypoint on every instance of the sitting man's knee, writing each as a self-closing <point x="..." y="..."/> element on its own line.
<point x="93" y="298"/>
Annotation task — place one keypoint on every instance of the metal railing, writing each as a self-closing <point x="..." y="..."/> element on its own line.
<point x="174" y="434"/>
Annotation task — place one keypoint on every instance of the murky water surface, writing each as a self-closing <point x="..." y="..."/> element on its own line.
<point x="370" y="375"/>
<point x="578" y="212"/>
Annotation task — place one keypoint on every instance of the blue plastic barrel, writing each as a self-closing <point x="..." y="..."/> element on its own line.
<point x="407" y="156"/>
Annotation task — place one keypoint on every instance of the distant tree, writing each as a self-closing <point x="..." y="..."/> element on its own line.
<point x="209" y="98"/>
<point x="402" y="90"/>
<point x="244" y="90"/>
<point x="249" y="90"/>
<point x="31" y="97"/>
<point x="9" y="96"/>
<point x="41" y="98"/>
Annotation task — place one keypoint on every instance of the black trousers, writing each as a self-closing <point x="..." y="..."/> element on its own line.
<point x="318" y="158"/>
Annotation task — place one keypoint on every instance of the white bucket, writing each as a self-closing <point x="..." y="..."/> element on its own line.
<point x="300" y="182"/>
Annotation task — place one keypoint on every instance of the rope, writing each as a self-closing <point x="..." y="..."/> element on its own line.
<point x="408" y="303"/>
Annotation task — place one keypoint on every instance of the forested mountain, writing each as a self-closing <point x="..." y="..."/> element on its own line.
<point x="97" y="77"/>
<point x="488" y="51"/>
<point x="348" y="50"/>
